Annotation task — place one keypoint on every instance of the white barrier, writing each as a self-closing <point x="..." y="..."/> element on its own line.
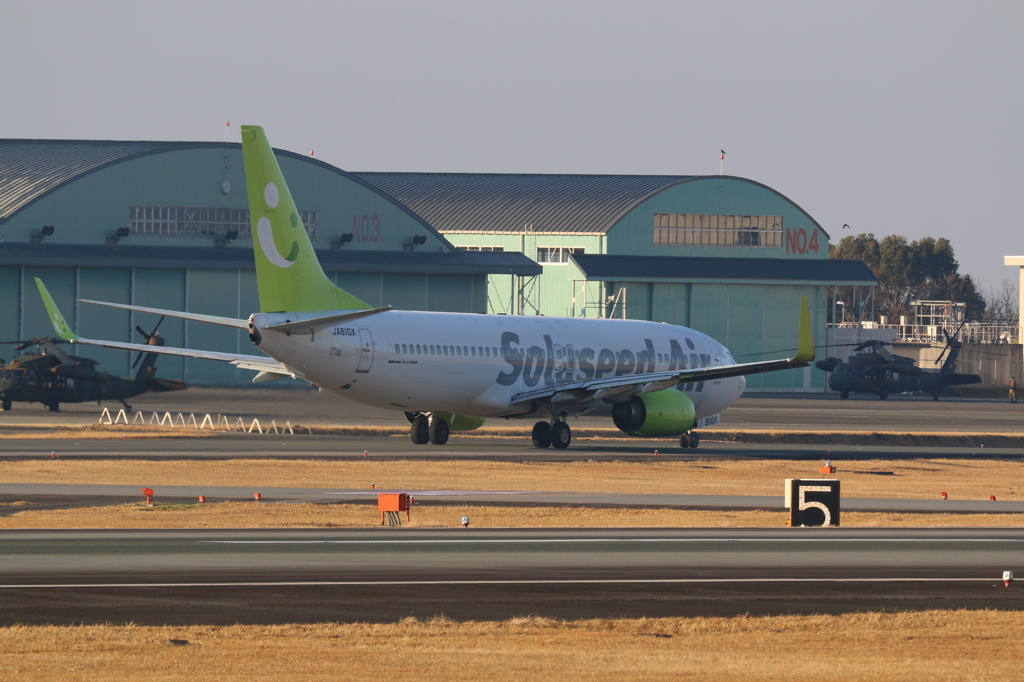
<point x="180" y="420"/>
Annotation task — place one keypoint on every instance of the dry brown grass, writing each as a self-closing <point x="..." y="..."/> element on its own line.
<point x="932" y="646"/>
<point x="252" y="515"/>
<point x="920" y="478"/>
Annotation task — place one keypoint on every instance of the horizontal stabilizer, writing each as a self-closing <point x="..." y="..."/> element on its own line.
<point x="195" y="317"/>
<point x="317" y="323"/>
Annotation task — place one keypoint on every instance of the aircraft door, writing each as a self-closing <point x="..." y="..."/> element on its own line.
<point x="365" y="351"/>
<point x="717" y="361"/>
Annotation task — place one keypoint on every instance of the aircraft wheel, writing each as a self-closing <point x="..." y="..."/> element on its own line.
<point x="935" y="396"/>
<point x="561" y="435"/>
<point x="694" y="439"/>
<point x="883" y="395"/>
<point x="438" y="431"/>
<point x="541" y="435"/>
<point x="684" y="440"/>
<point x="419" y="430"/>
<point x="54" y="406"/>
<point x="844" y="395"/>
<point x="7" y="405"/>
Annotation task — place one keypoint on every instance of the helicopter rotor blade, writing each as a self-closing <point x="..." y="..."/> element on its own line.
<point x="148" y="337"/>
<point x="821" y="345"/>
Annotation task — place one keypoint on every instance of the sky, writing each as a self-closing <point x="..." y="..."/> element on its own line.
<point x="890" y="117"/>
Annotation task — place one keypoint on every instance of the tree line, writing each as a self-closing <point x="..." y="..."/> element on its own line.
<point x="925" y="269"/>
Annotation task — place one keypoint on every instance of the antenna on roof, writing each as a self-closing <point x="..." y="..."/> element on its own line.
<point x="721" y="163"/>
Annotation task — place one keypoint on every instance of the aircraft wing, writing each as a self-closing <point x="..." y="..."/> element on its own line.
<point x="196" y="317"/>
<point x="266" y="365"/>
<point x="595" y="389"/>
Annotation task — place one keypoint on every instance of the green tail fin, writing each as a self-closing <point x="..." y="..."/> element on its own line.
<point x="56" y="319"/>
<point x="288" y="274"/>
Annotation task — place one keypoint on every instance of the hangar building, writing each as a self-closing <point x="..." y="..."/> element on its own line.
<point x="166" y="225"/>
<point x="725" y="255"/>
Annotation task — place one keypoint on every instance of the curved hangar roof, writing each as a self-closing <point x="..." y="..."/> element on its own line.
<point x="507" y="202"/>
<point x="30" y="169"/>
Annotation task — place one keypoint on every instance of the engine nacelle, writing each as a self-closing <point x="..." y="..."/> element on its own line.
<point x="662" y="413"/>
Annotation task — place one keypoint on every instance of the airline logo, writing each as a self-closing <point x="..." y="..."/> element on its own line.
<point x="265" y="232"/>
<point x="556" y="363"/>
<point x="60" y="326"/>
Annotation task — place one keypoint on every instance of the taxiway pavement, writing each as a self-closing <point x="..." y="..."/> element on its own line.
<point x="85" y="494"/>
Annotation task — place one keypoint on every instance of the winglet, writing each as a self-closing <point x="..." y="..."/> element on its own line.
<point x="56" y="319"/>
<point x="805" y="342"/>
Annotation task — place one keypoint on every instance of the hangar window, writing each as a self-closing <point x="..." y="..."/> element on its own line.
<point x="556" y="255"/>
<point x="480" y="248"/>
<point x="190" y="221"/>
<point x="699" y="229"/>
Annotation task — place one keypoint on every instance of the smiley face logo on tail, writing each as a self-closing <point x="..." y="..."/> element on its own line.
<point x="60" y="326"/>
<point x="265" y="233"/>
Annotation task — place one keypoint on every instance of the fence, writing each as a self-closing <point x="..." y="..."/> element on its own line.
<point x="180" y="420"/>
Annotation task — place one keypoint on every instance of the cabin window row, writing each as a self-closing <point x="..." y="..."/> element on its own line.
<point x="489" y="352"/>
<point x="442" y="350"/>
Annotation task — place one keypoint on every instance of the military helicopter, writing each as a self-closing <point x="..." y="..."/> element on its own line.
<point x="51" y="376"/>
<point x="873" y="369"/>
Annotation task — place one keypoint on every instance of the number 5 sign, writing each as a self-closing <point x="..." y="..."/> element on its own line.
<point x="812" y="501"/>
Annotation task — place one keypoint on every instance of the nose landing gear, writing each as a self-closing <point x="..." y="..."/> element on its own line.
<point x="689" y="440"/>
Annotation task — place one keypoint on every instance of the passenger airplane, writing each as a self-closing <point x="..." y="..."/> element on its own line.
<point x="451" y="371"/>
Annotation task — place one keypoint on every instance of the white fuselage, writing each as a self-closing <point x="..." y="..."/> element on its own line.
<point x="476" y="364"/>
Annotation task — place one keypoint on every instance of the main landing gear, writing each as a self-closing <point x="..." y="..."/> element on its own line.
<point x="689" y="440"/>
<point x="556" y="434"/>
<point x="433" y="430"/>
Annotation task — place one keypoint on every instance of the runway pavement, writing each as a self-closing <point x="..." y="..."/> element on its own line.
<point x="218" y="576"/>
<point x="239" y="446"/>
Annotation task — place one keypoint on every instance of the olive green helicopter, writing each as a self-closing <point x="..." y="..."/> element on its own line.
<point x="51" y="377"/>
<point x="873" y="369"/>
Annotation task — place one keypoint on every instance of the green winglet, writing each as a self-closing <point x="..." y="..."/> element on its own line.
<point x="805" y="342"/>
<point x="56" y="319"/>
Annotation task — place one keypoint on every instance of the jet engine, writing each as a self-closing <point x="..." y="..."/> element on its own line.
<point x="662" y="413"/>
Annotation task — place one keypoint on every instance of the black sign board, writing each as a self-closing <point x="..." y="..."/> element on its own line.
<point x="813" y="501"/>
